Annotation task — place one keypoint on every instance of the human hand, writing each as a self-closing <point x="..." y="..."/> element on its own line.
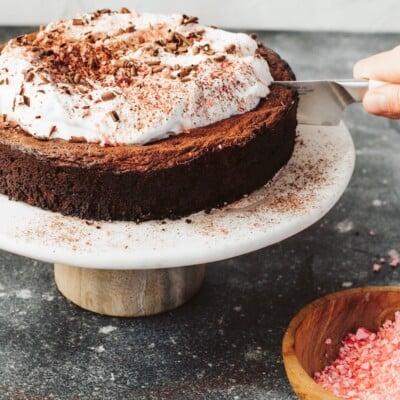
<point x="384" y="99"/>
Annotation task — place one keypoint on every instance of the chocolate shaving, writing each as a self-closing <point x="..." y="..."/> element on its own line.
<point x="108" y="96"/>
<point x="180" y="39"/>
<point x="161" y="42"/>
<point x="27" y="101"/>
<point x="189" y="20"/>
<point x="182" y="49"/>
<point x="230" y="48"/>
<point x="77" y="78"/>
<point x="220" y="58"/>
<point x="52" y="130"/>
<point x="29" y="76"/>
<point x="185" y="72"/>
<point x="123" y="64"/>
<point x="153" y="62"/>
<point x="157" y="68"/>
<point x="124" y="10"/>
<point x="101" y="36"/>
<point x="77" y="139"/>
<point x="207" y="50"/>
<point x="92" y="63"/>
<point x="130" y="29"/>
<point x="114" y="116"/>
<point x="171" y="46"/>
<point x="154" y="52"/>
<point x="77" y="21"/>
<point x="133" y="71"/>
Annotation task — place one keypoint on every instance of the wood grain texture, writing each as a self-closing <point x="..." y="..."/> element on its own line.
<point x="128" y="293"/>
<point x="304" y="349"/>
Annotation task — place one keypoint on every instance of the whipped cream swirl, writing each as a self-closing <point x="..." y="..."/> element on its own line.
<point x="128" y="78"/>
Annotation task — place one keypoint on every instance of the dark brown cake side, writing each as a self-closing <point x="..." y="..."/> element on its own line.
<point x="171" y="178"/>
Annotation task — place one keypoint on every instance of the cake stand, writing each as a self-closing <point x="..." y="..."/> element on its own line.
<point x="130" y="269"/>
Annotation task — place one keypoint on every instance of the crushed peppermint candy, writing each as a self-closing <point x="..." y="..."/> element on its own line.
<point x="368" y="365"/>
<point x="394" y="258"/>
<point x="376" y="267"/>
<point x="394" y="262"/>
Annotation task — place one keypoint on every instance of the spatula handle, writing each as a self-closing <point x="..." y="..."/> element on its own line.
<point x="358" y="87"/>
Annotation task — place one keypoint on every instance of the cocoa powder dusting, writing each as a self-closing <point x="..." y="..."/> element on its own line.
<point x="75" y="61"/>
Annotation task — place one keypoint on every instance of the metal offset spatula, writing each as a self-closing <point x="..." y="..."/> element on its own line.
<point x="322" y="102"/>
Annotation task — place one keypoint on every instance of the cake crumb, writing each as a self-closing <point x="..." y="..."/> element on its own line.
<point x="98" y="349"/>
<point x="105" y="330"/>
<point x="345" y="226"/>
<point x="347" y="284"/>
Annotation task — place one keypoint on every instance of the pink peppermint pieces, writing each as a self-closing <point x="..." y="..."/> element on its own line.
<point x="368" y="365"/>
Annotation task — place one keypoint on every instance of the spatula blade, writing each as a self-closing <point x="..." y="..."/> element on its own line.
<point x="323" y="102"/>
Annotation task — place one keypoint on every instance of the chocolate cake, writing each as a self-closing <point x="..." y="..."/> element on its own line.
<point x="199" y="168"/>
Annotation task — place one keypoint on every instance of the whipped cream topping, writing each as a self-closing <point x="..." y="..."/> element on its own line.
<point x="128" y="78"/>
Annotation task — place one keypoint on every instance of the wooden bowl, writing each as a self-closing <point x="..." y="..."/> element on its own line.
<point x="333" y="316"/>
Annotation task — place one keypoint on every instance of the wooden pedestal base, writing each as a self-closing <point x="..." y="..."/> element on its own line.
<point x="128" y="293"/>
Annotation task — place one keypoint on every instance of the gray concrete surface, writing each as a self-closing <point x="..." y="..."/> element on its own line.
<point x="225" y="343"/>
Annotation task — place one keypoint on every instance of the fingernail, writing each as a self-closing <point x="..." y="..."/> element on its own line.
<point x="375" y="103"/>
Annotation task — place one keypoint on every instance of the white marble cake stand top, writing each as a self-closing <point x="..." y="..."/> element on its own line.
<point x="299" y="195"/>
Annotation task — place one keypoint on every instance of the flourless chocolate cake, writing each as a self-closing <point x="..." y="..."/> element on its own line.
<point x="191" y="163"/>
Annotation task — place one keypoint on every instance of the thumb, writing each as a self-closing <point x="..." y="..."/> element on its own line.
<point x="383" y="100"/>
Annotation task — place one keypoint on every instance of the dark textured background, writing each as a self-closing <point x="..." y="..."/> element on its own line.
<point x="225" y="343"/>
